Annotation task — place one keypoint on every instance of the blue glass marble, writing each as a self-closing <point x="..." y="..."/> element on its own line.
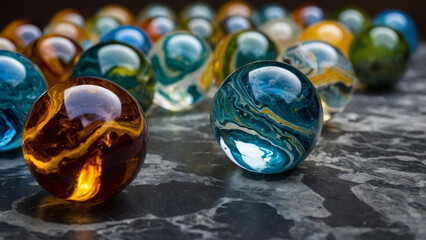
<point x="402" y="22"/>
<point x="131" y="35"/>
<point x="21" y="83"/>
<point x="120" y="63"/>
<point x="268" y="12"/>
<point x="180" y="61"/>
<point x="267" y="117"/>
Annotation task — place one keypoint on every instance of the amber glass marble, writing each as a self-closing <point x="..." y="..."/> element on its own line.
<point x="22" y="31"/>
<point x="232" y="8"/>
<point x="85" y="139"/>
<point x="307" y="14"/>
<point x="71" y="30"/>
<point x="55" y="55"/>
<point x="331" y="32"/>
<point x="9" y="44"/>
<point x="70" y="15"/>
<point x="121" y="13"/>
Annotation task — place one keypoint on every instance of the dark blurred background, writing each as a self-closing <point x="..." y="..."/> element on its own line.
<point x="42" y="10"/>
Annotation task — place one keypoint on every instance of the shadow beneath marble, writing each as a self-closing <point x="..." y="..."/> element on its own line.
<point x="11" y="154"/>
<point x="266" y="177"/>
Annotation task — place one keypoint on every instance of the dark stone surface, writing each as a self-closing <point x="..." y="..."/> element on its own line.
<point x="365" y="180"/>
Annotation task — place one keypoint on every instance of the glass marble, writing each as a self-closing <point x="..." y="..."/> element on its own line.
<point x="157" y="27"/>
<point x="156" y="10"/>
<point x="380" y="56"/>
<point x="122" y="64"/>
<point x="55" y="55"/>
<point x="267" y="117"/>
<point x="203" y="28"/>
<point x="328" y="69"/>
<point x="269" y="12"/>
<point x="233" y="24"/>
<point x="9" y="44"/>
<point x="197" y="10"/>
<point x="123" y="15"/>
<point x="353" y="18"/>
<point x="70" y="15"/>
<point x="284" y="32"/>
<point x="131" y="35"/>
<point x="100" y="26"/>
<point x="306" y="15"/>
<point x="71" y="30"/>
<point x="181" y="64"/>
<point x="239" y="49"/>
<point x="234" y="7"/>
<point x="22" y="31"/>
<point x="402" y="22"/>
<point x="85" y="140"/>
<point x="331" y="32"/>
<point x="21" y="83"/>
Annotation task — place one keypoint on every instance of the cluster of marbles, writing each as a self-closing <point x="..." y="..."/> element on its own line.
<point x="239" y="49"/>
<point x="120" y="63"/>
<point x="55" y="55"/>
<point x="181" y="64"/>
<point x="86" y="135"/>
<point x="21" y="83"/>
<point x="329" y="71"/>
<point x="267" y="117"/>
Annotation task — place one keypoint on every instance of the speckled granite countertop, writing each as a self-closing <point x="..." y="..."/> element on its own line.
<point x="365" y="180"/>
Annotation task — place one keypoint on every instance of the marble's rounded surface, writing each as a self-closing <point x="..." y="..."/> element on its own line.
<point x="353" y="18"/>
<point x="55" y="55"/>
<point x="100" y="26"/>
<point x="203" y="28"/>
<point x="21" y="83"/>
<point x="269" y="12"/>
<point x="306" y="15"/>
<point x="7" y="43"/>
<point x="22" y="31"/>
<point x="181" y="64"/>
<point x="70" y="15"/>
<point x="328" y="69"/>
<point x="331" y="32"/>
<point x="239" y="49"/>
<point x="197" y="10"/>
<point x="233" y="24"/>
<point x="156" y="10"/>
<point x="123" y="15"/>
<point x="85" y="139"/>
<point x="122" y="64"/>
<point x="380" y="56"/>
<point x="267" y="117"/>
<point x="234" y="8"/>
<point x="284" y="32"/>
<point x="156" y="27"/>
<point x="402" y="22"/>
<point x="131" y="35"/>
<point x="70" y="30"/>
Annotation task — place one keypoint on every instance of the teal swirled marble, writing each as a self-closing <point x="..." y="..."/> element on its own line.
<point x="328" y="69"/>
<point x="181" y="64"/>
<point x="267" y="117"/>
<point x="21" y="83"/>
<point x="122" y="64"/>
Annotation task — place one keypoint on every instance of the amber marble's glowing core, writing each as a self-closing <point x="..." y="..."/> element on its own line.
<point x="85" y="139"/>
